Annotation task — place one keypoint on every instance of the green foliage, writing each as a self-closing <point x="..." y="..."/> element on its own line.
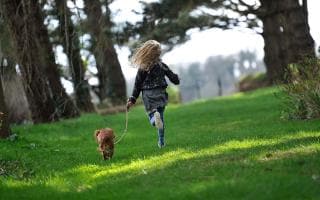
<point x="253" y="81"/>
<point x="228" y="148"/>
<point x="15" y="169"/>
<point x="302" y="99"/>
<point x="168" y="21"/>
<point x="174" y="94"/>
<point x="254" y="77"/>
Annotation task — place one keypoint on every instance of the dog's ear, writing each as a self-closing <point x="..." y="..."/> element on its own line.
<point x="96" y="133"/>
<point x="111" y="132"/>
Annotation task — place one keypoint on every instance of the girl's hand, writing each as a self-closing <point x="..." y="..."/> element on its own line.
<point x="129" y="104"/>
<point x="131" y="101"/>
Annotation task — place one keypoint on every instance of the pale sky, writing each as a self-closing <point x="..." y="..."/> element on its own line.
<point x="206" y="43"/>
<point x="201" y="45"/>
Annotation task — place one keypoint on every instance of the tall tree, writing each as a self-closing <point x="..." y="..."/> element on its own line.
<point x="71" y="46"/>
<point x="296" y="30"/>
<point x="4" y="123"/>
<point x="35" y="83"/>
<point x="15" y="97"/>
<point x="168" y="21"/>
<point x="65" y="106"/>
<point x="111" y="80"/>
<point x="286" y="34"/>
<point x="285" y="26"/>
<point x="46" y="96"/>
<point x="275" y="54"/>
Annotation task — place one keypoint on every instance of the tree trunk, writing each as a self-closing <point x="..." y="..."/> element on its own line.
<point x="111" y="80"/>
<point x="15" y="97"/>
<point x="71" y="46"/>
<point x="65" y="106"/>
<point x="4" y="123"/>
<point x="13" y="91"/>
<point x="286" y="36"/>
<point x="20" y="24"/>
<point x="294" y="17"/>
<point x="275" y="52"/>
<point x="35" y="56"/>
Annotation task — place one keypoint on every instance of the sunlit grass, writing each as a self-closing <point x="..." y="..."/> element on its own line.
<point x="230" y="148"/>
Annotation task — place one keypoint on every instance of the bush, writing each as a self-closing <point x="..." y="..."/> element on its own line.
<point x="253" y="82"/>
<point x="302" y="91"/>
<point x="174" y="94"/>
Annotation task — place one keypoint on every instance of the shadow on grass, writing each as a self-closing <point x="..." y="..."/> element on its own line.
<point x="234" y="169"/>
<point x="225" y="148"/>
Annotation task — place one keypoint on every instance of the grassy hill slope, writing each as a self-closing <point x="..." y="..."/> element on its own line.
<point x="233" y="147"/>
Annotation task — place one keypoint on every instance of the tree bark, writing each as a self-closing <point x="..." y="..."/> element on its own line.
<point x="275" y="53"/>
<point x="65" y="106"/>
<point x="299" y="41"/>
<point x="4" y="123"/>
<point x="286" y="35"/>
<point x="13" y="91"/>
<point x="71" y="46"/>
<point x="111" y="80"/>
<point x="20" y="24"/>
<point x="15" y="97"/>
<point x="47" y="98"/>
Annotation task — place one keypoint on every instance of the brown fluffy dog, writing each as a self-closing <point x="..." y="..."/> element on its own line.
<point x="105" y="140"/>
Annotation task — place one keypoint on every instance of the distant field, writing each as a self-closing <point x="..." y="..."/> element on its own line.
<point x="234" y="147"/>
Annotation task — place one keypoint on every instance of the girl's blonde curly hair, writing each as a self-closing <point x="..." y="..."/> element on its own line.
<point x="148" y="54"/>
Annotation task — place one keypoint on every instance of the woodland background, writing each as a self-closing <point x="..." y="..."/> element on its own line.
<point x="31" y="30"/>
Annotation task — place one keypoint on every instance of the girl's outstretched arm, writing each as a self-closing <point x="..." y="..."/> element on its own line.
<point x="174" y="78"/>
<point x="141" y="75"/>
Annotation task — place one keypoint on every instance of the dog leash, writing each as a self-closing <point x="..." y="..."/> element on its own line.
<point x="126" y="128"/>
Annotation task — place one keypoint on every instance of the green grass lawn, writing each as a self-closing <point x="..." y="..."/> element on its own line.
<point x="233" y="147"/>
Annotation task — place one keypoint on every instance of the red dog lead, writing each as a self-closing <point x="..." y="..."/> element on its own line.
<point x="105" y="140"/>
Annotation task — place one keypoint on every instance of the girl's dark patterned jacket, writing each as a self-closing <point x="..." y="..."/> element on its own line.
<point x="155" y="78"/>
